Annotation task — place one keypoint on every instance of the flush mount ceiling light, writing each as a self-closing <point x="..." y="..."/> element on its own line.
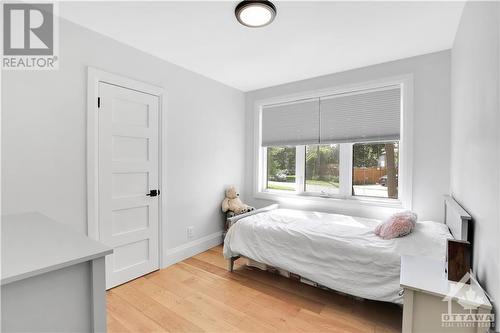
<point x="254" y="13"/>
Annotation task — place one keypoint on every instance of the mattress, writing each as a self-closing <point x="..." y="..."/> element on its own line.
<point x="340" y="252"/>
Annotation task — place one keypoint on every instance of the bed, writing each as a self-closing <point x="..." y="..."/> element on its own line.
<point x="334" y="251"/>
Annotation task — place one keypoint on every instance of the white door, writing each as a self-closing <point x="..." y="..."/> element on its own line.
<point x="128" y="179"/>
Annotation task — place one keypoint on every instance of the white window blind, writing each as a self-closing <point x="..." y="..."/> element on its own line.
<point x="364" y="116"/>
<point x="291" y="124"/>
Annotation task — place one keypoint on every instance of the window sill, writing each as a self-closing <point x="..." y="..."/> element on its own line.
<point x="328" y="200"/>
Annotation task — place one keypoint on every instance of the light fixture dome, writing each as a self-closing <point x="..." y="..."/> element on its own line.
<point x="255" y="13"/>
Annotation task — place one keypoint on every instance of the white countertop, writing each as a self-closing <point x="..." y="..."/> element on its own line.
<point x="33" y="244"/>
<point x="428" y="276"/>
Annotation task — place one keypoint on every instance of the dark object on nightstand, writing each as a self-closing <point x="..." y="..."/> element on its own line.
<point x="458" y="258"/>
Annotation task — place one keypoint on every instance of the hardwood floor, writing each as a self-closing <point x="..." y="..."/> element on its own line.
<point x="200" y="295"/>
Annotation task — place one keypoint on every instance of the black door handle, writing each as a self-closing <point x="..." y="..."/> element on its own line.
<point x="153" y="193"/>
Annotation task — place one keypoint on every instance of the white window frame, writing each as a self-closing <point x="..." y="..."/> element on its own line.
<point x="405" y="172"/>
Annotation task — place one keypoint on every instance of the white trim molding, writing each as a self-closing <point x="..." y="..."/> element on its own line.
<point x="192" y="248"/>
<point x="94" y="76"/>
<point x="405" y="82"/>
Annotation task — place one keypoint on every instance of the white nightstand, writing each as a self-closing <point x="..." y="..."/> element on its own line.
<point x="434" y="304"/>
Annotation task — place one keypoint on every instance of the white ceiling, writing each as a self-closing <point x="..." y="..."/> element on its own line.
<point x="307" y="39"/>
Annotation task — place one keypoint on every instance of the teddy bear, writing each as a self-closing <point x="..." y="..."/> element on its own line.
<point x="232" y="202"/>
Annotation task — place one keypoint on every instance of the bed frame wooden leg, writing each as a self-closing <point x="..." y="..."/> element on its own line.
<point x="230" y="263"/>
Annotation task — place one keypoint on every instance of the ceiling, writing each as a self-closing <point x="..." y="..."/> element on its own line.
<point x="307" y="39"/>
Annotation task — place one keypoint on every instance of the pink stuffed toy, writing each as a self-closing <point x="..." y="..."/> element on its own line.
<point x="398" y="225"/>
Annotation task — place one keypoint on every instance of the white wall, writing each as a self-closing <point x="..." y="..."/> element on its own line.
<point x="475" y="139"/>
<point x="44" y="134"/>
<point x="431" y="128"/>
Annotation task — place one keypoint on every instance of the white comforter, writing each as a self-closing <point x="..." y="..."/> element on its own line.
<point x="338" y="251"/>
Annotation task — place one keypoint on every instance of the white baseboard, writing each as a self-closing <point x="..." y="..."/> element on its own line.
<point x="190" y="249"/>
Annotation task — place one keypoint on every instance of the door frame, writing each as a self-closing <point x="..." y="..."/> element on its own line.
<point x="94" y="77"/>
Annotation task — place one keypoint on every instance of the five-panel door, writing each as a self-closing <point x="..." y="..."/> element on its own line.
<point x="128" y="177"/>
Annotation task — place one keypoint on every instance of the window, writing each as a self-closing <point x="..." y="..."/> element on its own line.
<point x="375" y="169"/>
<point x="322" y="169"/>
<point x="343" y="145"/>
<point x="281" y="168"/>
